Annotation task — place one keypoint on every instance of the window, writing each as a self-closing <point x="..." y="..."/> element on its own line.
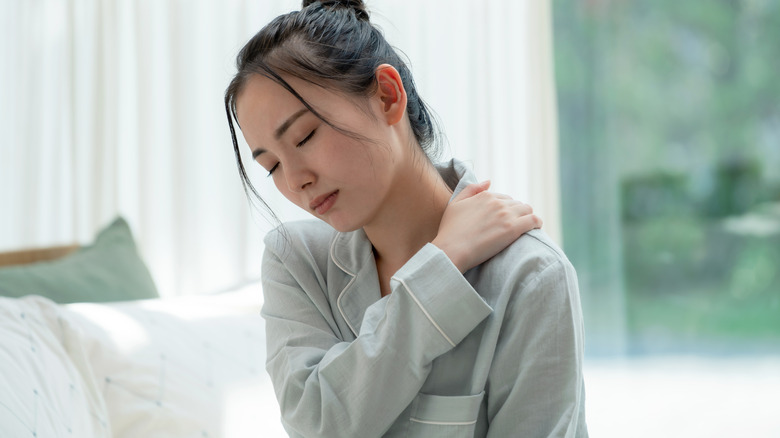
<point x="669" y="117"/>
<point x="669" y="120"/>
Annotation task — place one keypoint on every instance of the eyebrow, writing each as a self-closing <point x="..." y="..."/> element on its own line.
<point x="282" y="129"/>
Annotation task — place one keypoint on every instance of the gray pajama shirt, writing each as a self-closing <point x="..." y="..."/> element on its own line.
<point x="494" y="352"/>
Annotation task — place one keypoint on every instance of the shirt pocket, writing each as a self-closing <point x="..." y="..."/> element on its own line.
<point x="436" y="416"/>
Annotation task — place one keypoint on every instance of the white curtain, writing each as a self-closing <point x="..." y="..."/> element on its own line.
<point x="116" y="107"/>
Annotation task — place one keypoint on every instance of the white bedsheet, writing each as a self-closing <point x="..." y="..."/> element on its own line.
<point x="175" y="367"/>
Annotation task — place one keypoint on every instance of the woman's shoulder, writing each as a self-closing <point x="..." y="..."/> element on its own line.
<point x="526" y="260"/>
<point x="310" y="236"/>
<point x="538" y="246"/>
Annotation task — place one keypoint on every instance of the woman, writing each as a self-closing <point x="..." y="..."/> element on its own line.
<point x="412" y="307"/>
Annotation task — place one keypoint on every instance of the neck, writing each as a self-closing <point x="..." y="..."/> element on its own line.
<point x="410" y="218"/>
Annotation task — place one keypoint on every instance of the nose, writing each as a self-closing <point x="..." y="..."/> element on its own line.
<point x="298" y="176"/>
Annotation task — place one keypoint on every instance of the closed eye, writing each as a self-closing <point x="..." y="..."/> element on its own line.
<point x="301" y="143"/>
<point x="308" y="137"/>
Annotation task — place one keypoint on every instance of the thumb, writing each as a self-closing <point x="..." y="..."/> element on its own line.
<point x="472" y="189"/>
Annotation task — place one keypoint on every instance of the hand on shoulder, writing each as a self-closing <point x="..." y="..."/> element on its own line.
<point x="478" y="224"/>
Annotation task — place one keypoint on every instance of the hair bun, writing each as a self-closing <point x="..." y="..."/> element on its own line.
<point x="357" y="6"/>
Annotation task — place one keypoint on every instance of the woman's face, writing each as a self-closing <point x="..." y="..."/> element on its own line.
<point x="342" y="180"/>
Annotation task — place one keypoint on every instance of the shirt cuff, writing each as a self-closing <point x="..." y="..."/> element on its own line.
<point x="445" y="297"/>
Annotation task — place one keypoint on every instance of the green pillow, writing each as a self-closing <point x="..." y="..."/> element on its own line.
<point x="108" y="270"/>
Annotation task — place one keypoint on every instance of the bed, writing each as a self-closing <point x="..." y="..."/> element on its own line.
<point x="124" y="363"/>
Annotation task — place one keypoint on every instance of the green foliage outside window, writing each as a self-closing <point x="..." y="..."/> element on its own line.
<point x="669" y="115"/>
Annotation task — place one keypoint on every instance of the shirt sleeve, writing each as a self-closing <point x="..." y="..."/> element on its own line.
<point x="327" y="387"/>
<point x="536" y="386"/>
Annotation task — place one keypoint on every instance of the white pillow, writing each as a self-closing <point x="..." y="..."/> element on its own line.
<point x="43" y="389"/>
<point x="185" y="367"/>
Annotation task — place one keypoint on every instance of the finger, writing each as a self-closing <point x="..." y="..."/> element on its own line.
<point x="529" y="222"/>
<point x="517" y="208"/>
<point x="521" y="208"/>
<point x="472" y="189"/>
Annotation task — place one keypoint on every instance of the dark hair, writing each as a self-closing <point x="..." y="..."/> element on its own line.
<point x="331" y="44"/>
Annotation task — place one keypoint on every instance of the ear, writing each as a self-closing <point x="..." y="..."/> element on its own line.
<point x="391" y="93"/>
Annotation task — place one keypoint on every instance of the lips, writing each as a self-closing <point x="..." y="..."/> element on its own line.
<point x="321" y="204"/>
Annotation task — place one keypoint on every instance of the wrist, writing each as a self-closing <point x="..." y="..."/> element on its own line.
<point x="451" y="253"/>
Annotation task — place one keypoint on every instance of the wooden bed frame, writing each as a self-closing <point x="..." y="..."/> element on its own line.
<point x="25" y="256"/>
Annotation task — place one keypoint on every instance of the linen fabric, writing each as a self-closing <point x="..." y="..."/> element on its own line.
<point x="494" y="352"/>
<point x="181" y="367"/>
<point x="184" y="367"/>
<point x="46" y="388"/>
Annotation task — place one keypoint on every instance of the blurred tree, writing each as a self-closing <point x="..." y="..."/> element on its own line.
<point x="670" y="125"/>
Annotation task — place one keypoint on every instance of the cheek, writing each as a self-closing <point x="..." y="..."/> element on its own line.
<point x="359" y="160"/>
